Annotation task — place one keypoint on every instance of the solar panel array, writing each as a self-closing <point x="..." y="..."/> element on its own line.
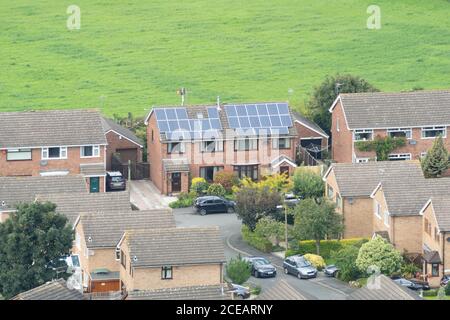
<point x="175" y="123"/>
<point x="269" y="117"/>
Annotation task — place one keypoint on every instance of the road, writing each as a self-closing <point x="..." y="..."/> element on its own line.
<point x="320" y="288"/>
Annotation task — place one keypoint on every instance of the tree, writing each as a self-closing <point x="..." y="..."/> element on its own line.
<point x="32" y="241"/>
<point x="238" y="270"/>
<point x="308" y="184"/>
<point x="253" y="203"/>
<point x="436" y="161"/>
<point x="381" y="254"/>
<point x="227" y="179"/>
<point x="345" y="259"/>
<point x="216" y="189"/>
<point x="325" y="94"/>
<point x="317" y="220"/>
<point x="270" y="229"/>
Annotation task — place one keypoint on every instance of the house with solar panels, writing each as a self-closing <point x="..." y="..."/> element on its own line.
<point x="250" y="140"/>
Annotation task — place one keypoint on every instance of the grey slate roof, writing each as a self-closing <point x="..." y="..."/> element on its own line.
<point x="441" y="206"/>
<point x="360" y="179"/>
<point x="109" y="124"/>
<point x="393" y="110"/>
<point x="175" y="246"/>
<point x="213" y="292"/>
<point x="175" y="165"/>
<point x="387" y="290"/>
<point x="74" y="204"/>
<point x="24" y="189"/>
<point x="282" y="290"/>
<point x="54" y="290"/>
<point x="432" y="257"/>
<point x="106" y="228"/>
<point x="50" y="128"/>
<point x="298" y="117"/>
<point x="92" y="169"/>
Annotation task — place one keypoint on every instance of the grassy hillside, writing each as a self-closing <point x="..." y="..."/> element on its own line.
<point x="131" y="55"/>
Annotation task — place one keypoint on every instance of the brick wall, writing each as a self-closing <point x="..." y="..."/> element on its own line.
<point x="115" y="142"/>
<point x="341" y="146"/>
<point x="304" y="132"/>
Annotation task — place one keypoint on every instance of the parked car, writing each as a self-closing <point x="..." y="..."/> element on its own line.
<point x="291" y="200"/>
<point x="410" y="284"/>
<point x="300" y="267"/>
<point x="239" y="291"/>
<point x="115" y="181"/>
<point x="445" y="279"/>
<point x="424" y="284"/>
<point x="261" y="267"/>
<point x="213" y="204"/>
<point x="331" y="270"/>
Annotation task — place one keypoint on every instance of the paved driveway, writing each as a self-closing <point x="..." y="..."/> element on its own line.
<point x="320" y="288"/>
<point x="145" y="196"/>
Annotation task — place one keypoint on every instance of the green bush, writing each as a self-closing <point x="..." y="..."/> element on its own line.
<point x="408" y="270"/>
<point x="227" y="179"/>
<point x="327" y="247"/>
<point x="238" y="270"/>
<point x="256" y="241"/>
<point x="447" y="289"/>
<point x="216" y="189"/>
<point x="345" y="259"/>
<point x="430" y="293"/>
<point x="317" y="261"/>
<point x="184" y="200"/>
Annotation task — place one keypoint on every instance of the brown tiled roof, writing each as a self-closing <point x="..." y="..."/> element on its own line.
<point x="298" y="117"/>
<point x="24" y="189"/>
<point x="93" y="169"/>
<point x="394" y="110"/>
<point x="175" y="246"/>
<point x="109" y="124"/>
<point x="105" y="229"/>
<point x="432" y="257"/>
<point x="282" y="290"/>
<point x="213" y="292"/>
<point x="384" y="288"/>
<point x="54" y="290"/>
<point x="74" y="204"/>
<point x="50" y="128"/>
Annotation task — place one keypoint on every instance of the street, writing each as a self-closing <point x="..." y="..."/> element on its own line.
<point x="322" y="287"/>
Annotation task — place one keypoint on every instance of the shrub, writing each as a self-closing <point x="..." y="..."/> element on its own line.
<point x="430" y="293"/>
<point x="199" y="186"/>
<point x="345" y="259"/>
<point x="216" y="189"/>
<point x="270" y="229"/>
<point x="184" y="200"/>
<point x="238" y="270"/>
<point x="317" y="261"/>
<point x="227" y="179"/>
<point x="380" y="253"/>
<point x="408" y="270"/>
<point x="255" y="240"/>
<point x="308" y="184"/>
<point x="447" y="289"/>
<point x="327" y="247"/>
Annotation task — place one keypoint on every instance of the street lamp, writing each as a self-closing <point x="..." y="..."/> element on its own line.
<point x="285" y="224"/>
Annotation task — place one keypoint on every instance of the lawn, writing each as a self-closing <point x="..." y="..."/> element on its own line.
<point x="130" y="55"/>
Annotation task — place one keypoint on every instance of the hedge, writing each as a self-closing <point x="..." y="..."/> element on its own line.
<point x="327" y="247"/>
<point x="256" y="241"/>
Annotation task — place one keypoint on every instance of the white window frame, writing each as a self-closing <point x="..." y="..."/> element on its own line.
<point x="377" y="209"/>
<point x="95" y="151"/>
<point x="407" y="131"/>
<point x="434" y="128"/>
<point x="330" y="194"/>
<point x="62" y="153"/>
<point x="118" y="253"/>
<point x="386" y="218"/>
<point x="399" y="156"/>
<point x="19" y="152"/>
<point x="363" y="131"/>
<point x="181" y="149"/>
<point x="276" y="143"/>
<point x="218" y="145"/>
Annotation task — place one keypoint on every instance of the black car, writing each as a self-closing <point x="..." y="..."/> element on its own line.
<point x="261" y="267"/>
<point x="291" y="200"/>
<point x="239" y="291"/>
<point x="413" y="285"/>
<point x="213" y="204"/>
<point x="115" y="181"/>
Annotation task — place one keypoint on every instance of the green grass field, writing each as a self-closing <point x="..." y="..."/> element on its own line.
<point x="130" y="55"/>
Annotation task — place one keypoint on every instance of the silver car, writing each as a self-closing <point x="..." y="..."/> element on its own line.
<point x="300" y="267"/>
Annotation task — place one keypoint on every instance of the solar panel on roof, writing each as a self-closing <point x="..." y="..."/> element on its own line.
<point x="275" y="120"/>
<point x="171" y="114"/>
<point x="283" y="108"/>
<point x="231" y="111"/>
<point x="181" y="114"/>
<point x="254" y="122"/>
<point x="215" y="124"/>
<point x="213" y="113"/>
<point x="160" y="114"/>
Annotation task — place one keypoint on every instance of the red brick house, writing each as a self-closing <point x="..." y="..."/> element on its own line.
<point x="310" y="135"/>
<point x="50" y="143"/>
<point x="418" y="116"/>
<point x="248" y="139"/>
<point x="121" y="141"/>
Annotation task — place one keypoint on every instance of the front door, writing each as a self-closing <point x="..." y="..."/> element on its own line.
<point x="284" y="170"/>
<point x="94" y="184"/>
<point x="176" y="182"/>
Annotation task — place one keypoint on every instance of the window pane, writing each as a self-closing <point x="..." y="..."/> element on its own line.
<point x="22" y="154"/>
<point x="87" y="151"/>
<point x="53" y="152"/>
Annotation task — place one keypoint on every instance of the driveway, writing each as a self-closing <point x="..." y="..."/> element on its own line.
<point x="320" y="288"/>
<point x="145" y="196"/>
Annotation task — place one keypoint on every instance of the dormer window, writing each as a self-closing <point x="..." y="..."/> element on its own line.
<point x="363" y="135"/>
